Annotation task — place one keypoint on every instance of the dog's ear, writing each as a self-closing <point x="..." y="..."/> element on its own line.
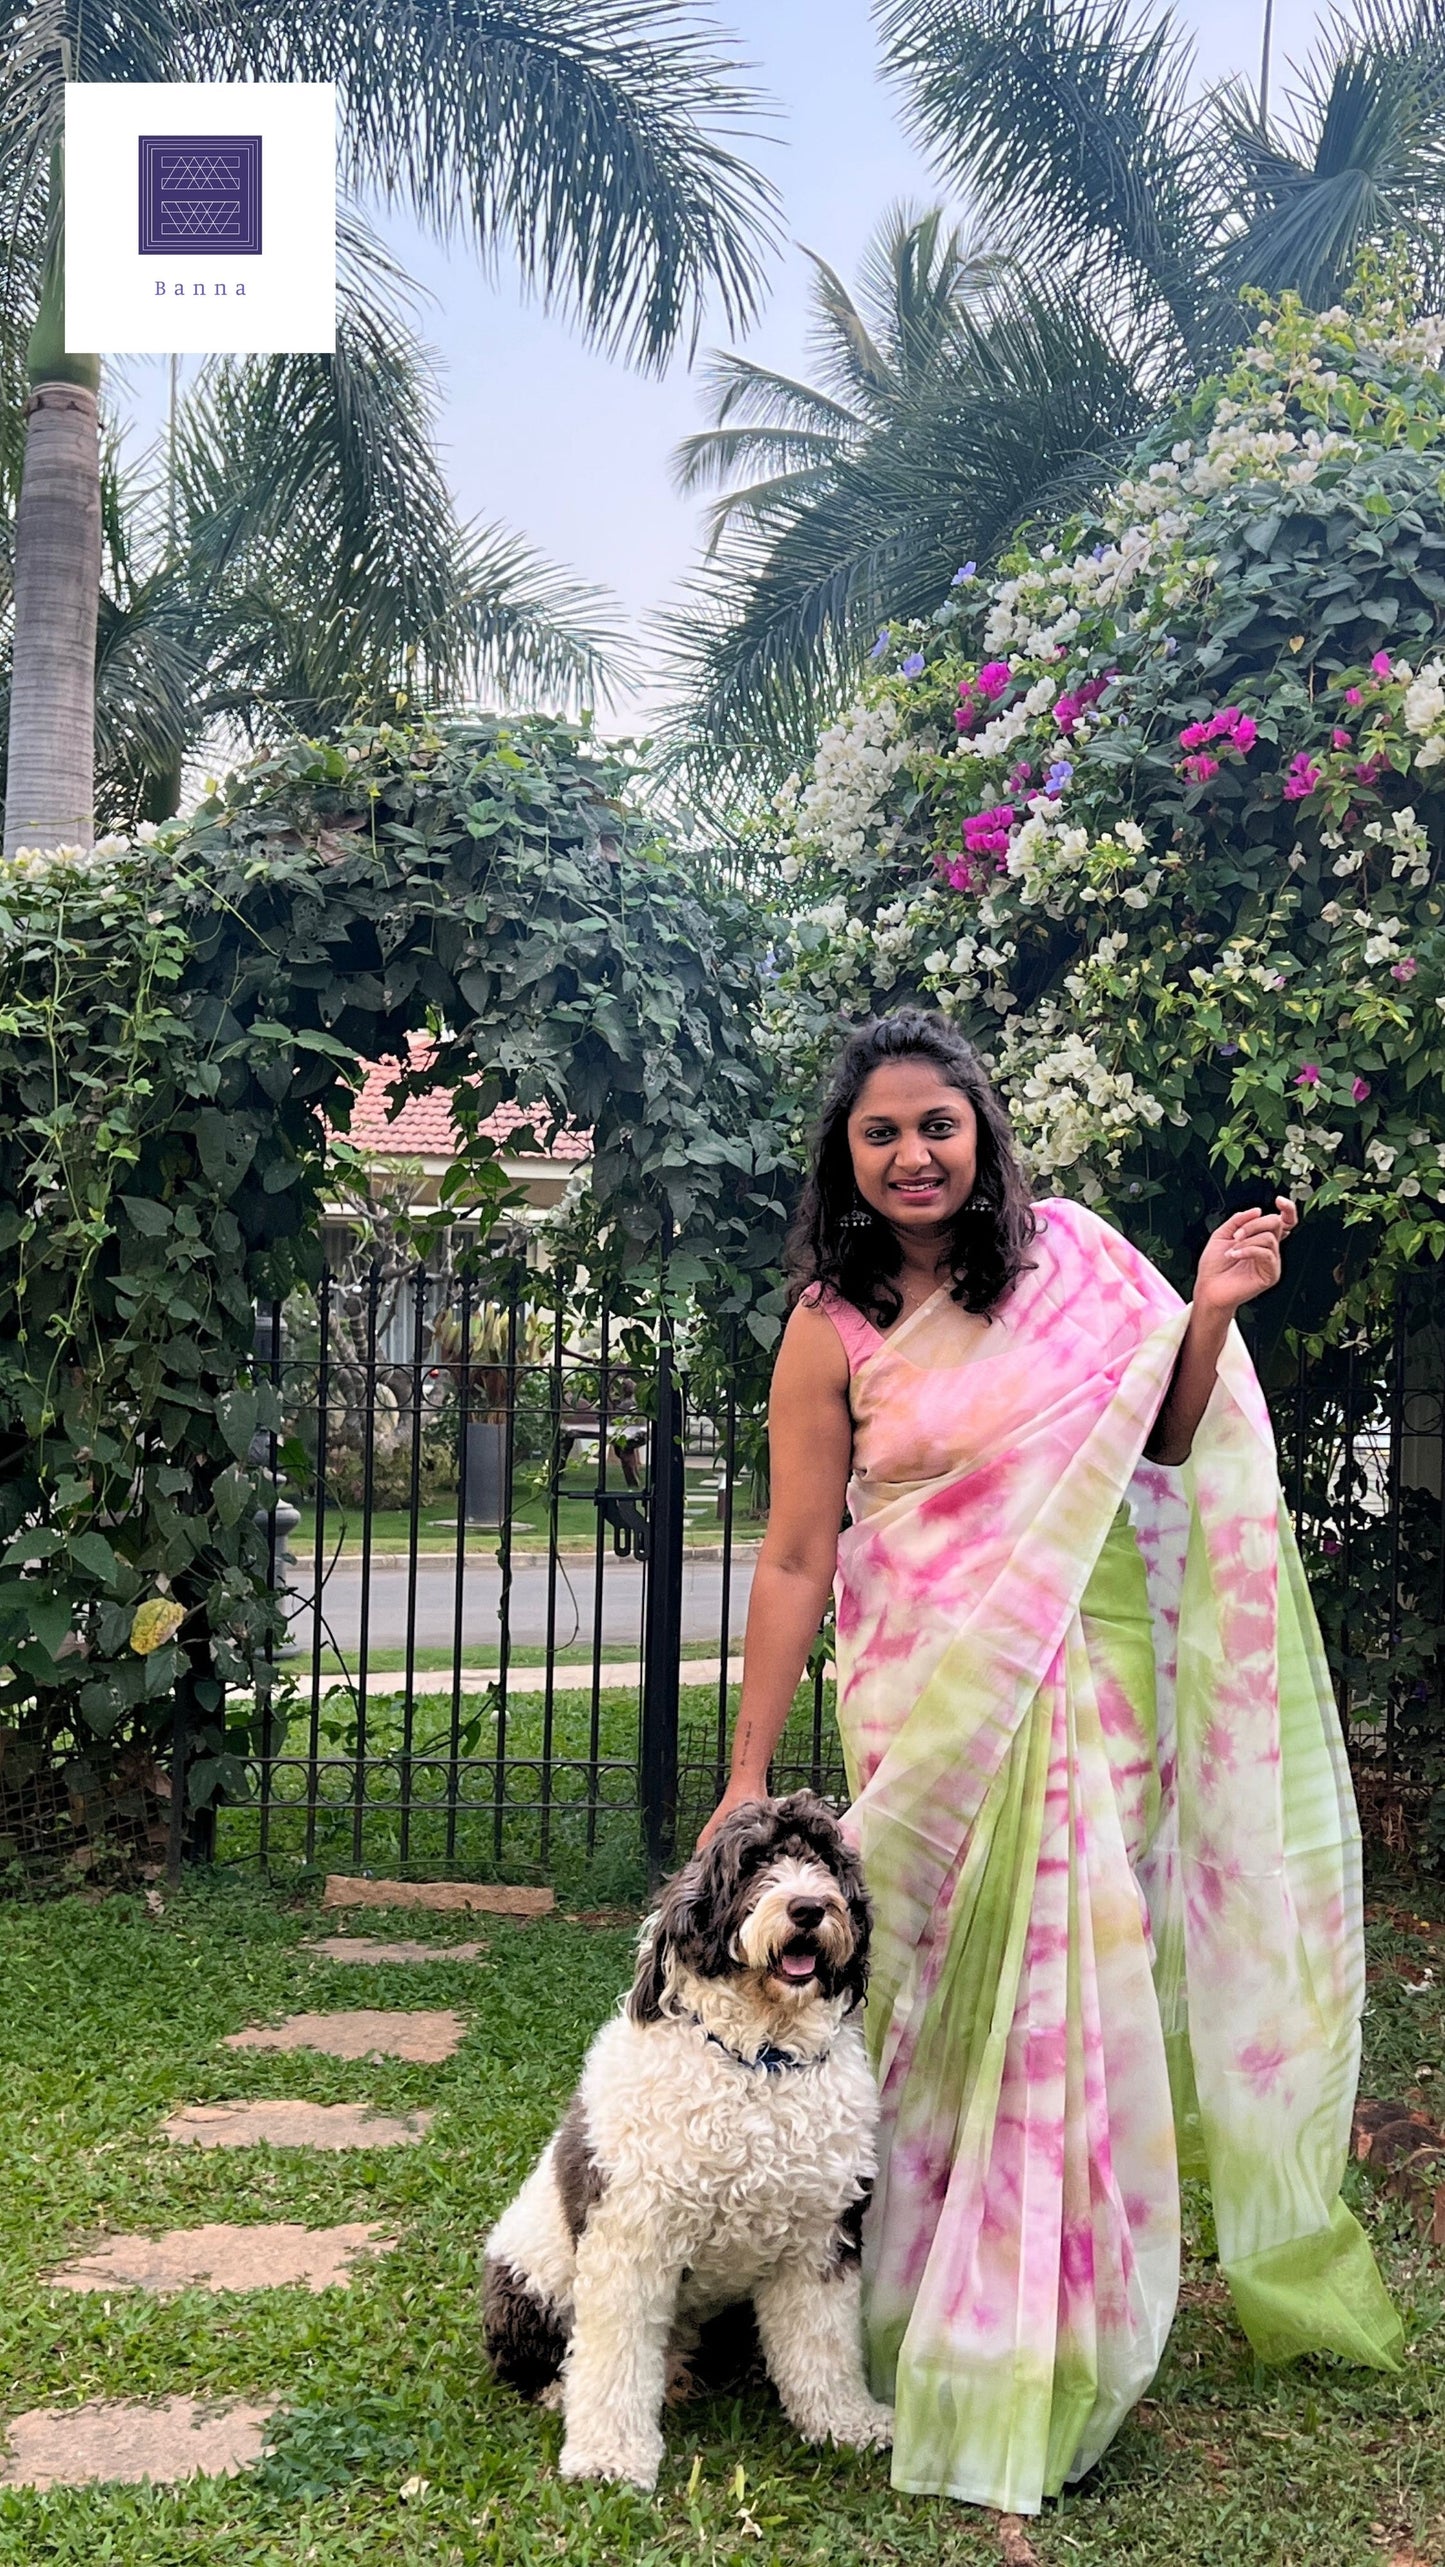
<point x="849" y="1874"/>
<point x="711" y="1885"/>
<point x="644" y="1997"/>
<point x="678" y="1933"/>
<point x="696" y="1917"/>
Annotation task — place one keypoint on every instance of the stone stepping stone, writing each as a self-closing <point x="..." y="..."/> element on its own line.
<point x="109" y="2439"/>
<point x="361" y="2032"/>
<point x="483" y="1898"/>
<point x="258" y="2256"/>
<point x="365" y="1947"/>
<point x="293" y="2125"/>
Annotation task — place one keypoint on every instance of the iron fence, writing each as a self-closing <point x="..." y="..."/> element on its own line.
<point x="516" y="1551"/>
<point x="515" y="1566"/>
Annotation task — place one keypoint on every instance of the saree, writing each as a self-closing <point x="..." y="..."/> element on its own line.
<point x="1100" y="1790"/>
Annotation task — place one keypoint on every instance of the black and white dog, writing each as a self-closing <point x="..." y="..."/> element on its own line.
<point x="719" y="2148"/>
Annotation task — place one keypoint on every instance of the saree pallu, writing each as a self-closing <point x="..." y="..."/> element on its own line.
<point x="1100" y="1789"/>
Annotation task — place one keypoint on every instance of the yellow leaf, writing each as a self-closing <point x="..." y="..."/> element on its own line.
<point x="156" y="1621"/>
<point x="1296" y="641"/>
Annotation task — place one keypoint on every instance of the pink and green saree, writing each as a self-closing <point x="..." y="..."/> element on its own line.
<point x="1100" y="1789"/>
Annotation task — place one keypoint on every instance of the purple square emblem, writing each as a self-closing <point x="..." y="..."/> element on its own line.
<point x="200" y="193"/>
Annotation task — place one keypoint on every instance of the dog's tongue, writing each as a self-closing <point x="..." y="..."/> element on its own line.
<point x="796" y="1965"/>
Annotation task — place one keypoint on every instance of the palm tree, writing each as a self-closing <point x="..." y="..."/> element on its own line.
<point x="946" y="399"/>
<point x="1127" y="214"/>
<point x="289" y="557"/>
<point x="592" y="139"/>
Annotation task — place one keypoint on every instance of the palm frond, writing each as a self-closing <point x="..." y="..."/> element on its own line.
<point x="913" y="280"/>
<point x="595" y="139"/>
<point x="740" y="389"/>
<point x="1359" y="155"/>
<point x="1068" y="122"/>
<point x="324" y="549"/>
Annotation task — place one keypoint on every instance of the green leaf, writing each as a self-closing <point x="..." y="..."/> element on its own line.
<point x="151" y="1219"/>
<point x="93" y="1552"/>
<point x="236" y="1416"/>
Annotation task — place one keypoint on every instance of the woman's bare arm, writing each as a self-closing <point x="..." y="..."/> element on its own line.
<point x="810" y="1439"/>
<point x="1240" y="1261"/>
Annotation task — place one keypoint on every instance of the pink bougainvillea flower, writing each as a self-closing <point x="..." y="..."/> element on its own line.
<point x="1019" y="776"/>
<point x="1200" y="769"/>
<point x="1072" y="705"/>
<point x="993" y="677"/>
<point x="1235" y="729"/>
<point x="1380" y="664"/>
<point x="1340" y="739"/>
<point x="1370" y="770"/>
<point x="986" y="833"/>
<point x="1309" y="1075"/>
<point x="1359" y="1090"/>
<point x="1354" y="695"/>
<point x="1302" y="777"/>
<point x="1405" y="968"/>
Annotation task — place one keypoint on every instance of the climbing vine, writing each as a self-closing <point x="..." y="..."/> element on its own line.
<point x="182" y="1023"/>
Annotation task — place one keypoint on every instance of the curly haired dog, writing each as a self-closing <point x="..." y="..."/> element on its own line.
<point x="719" y="2148"/>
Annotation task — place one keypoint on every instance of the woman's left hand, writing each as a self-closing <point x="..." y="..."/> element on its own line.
<point x="1242" y="1258"/>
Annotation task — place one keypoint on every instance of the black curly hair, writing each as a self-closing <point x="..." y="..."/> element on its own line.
<point x="827" y="1244"/>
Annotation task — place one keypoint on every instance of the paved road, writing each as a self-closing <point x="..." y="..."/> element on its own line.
<point x="436" y="1604"/>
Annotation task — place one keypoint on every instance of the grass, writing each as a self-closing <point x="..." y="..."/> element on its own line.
<point x="114" y="2015"/>
<point x="554" y="1843"/>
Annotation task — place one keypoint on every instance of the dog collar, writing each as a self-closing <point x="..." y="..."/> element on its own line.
<point x="770" y="2059"/>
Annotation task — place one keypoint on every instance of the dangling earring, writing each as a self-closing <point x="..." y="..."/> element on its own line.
<point x="860" y="1218"/>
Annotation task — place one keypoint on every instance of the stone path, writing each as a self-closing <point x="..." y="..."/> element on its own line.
<point x="179" y="2438"/>
<point x="260" y="2256"/>
<point x="361" y="2032"/>
<point x="187" y="2437"/>
<point x="481" y="1898"/>
<point x="293" y="2125"/>
<point x="365" y="1947"/>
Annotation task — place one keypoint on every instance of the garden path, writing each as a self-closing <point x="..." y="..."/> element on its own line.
<point x="167" y="2442"/>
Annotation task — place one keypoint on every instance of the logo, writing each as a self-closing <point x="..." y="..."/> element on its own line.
<point x="200" y="195"/>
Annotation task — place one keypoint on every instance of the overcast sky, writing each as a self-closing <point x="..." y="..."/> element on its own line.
<point x="572" y="450"/>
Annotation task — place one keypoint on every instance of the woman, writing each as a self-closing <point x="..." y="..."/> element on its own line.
<point x="1097" y="1778"/>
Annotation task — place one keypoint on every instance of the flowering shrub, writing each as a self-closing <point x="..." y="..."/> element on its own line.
<point x="1159" y="819"/>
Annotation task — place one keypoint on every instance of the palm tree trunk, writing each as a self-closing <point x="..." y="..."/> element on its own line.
<point x="50" y="776"/>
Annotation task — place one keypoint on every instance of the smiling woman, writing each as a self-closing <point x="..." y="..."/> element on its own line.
<point x="1097" y="1779"/>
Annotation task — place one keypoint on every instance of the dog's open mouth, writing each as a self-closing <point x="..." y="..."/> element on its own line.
<point x="796" y="1964"/>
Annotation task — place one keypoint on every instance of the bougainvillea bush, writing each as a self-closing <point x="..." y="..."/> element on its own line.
<point x="1159" y="818"/>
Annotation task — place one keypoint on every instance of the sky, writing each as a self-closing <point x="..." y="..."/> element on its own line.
<point x="570" y="448"/>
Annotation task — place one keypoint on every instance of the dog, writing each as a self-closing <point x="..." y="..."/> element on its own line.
<point x="719" y="2148"/>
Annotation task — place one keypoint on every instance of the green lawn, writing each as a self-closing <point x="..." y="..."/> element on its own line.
<point x="113" y="2015"/>
<point x="595" y="1863"/>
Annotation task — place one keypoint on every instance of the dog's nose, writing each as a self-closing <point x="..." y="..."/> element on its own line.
<point x="805" y="1912"/>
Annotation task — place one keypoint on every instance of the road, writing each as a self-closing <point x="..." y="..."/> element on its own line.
<point x="481" y="1591"/>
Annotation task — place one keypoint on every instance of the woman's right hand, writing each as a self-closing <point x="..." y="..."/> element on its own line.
<point x="737" y="1796"/>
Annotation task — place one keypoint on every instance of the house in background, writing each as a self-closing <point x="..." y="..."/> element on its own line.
<point x="423" y="1136"/>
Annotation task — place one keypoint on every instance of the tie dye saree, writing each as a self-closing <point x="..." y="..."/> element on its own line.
<point x="1100" y="1789"/>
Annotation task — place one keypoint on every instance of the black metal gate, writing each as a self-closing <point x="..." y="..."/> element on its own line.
<point x="514" y="1552"/>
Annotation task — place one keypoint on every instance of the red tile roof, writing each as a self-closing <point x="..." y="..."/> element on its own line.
<point x="424" y="1129"/>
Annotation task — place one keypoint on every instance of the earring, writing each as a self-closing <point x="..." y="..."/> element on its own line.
<point x="860" y="1218"/>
